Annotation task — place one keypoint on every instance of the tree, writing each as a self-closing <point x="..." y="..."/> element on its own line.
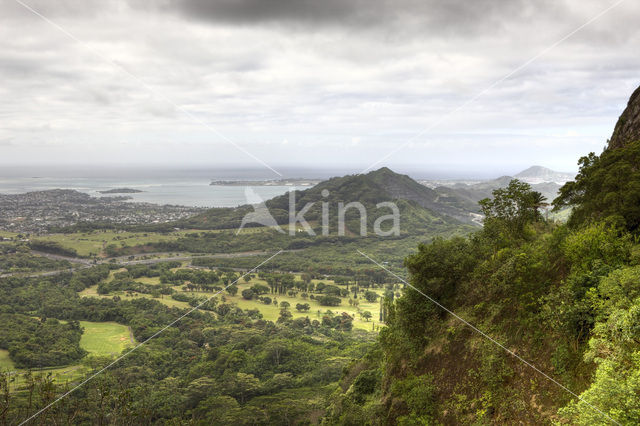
<point x="232" y="290"/>
<point x="284" y="304"/>
<point x="367" y="315"/>
<point x="371" y="296"/>
<point x="266" y="300"/>
<point x="614" y="347"/>
<point x="329" y="300"/>
<point x="217" y="409"/>
<point x="247" y="294"/>
<point x="606" y="187"/>
<point x="279" y="381"/>
<point x="242" y="386"/>
<point x="259" y="289"/>
<point x="303" y="307"/>
<point x="437" y="270"/>
<point x="515" y="206"/>
<point x="331" y="290"/>
<point x="285" y="315"/>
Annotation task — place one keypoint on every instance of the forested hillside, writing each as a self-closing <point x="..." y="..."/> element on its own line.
<point x="218" y="365"/>
<point x="419" y="205"/>
<point x="565" y="298"/>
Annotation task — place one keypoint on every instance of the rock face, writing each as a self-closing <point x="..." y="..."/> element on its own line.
<point x="628" y="126"/>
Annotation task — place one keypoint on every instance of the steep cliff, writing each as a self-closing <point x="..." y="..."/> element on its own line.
<point x="628" y="126"/>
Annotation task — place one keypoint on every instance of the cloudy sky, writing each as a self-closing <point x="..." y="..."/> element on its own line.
<point x="314" y="83"/>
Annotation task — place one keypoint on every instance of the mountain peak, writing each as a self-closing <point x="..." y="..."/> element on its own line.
<point x="382" y="171"/>
<point x="534" y="171"/>
<point x="539" y="174"/>
<point x="628" y="126"/>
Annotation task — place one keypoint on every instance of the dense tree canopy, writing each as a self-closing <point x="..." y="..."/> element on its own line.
<point x="607" y="187"/>
<point x="34" y="343"/>
<point x="513" y="206"/>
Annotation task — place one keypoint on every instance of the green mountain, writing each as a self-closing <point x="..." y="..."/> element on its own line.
<point x="421" y="208"/>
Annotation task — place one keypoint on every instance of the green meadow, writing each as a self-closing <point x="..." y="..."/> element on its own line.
<point x="5" y="361"/>
<point x="95" y="242"/>
<point x="105" y="338"/>
<point x="166" y="300"/>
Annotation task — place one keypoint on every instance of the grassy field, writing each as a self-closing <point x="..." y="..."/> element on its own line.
<point x="5" y="362"/>
<point x="105" y="338"/>
<point x="94" y="243"/>
<point x="166" y="300"/>
<point x="149" y="280"/>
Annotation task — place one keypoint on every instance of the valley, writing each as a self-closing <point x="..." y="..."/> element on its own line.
<point x="208" y="316"/>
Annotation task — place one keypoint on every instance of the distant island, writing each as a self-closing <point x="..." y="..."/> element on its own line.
<point x="272" y="182"/>
<point x="120" y="191"/>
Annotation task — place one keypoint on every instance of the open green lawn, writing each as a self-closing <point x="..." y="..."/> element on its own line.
<point x="5" y="362"/>
<point x="94" y="243"/>
<point x="105" y="338"/>
<point x="149" y="280"/>
<point x="166" y="300"/>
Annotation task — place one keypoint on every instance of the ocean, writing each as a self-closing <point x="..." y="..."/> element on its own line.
<point x="189" y="187"/>
<point x="185" y="186"/>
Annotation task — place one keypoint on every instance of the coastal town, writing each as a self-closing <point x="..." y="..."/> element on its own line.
<point x="40" y="211"/>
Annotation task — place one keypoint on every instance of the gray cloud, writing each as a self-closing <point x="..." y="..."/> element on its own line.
<point x="426" y="16"/>
<point x="302" y="80"/>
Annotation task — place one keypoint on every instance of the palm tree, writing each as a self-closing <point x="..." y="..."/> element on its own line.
<point x="538" y="201"/>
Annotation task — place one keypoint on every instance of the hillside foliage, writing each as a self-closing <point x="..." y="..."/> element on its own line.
<point x="606" y="188"/>
<point x="566" y="298"/>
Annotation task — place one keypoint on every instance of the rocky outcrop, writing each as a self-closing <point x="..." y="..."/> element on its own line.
<point x="628" y="126"/>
